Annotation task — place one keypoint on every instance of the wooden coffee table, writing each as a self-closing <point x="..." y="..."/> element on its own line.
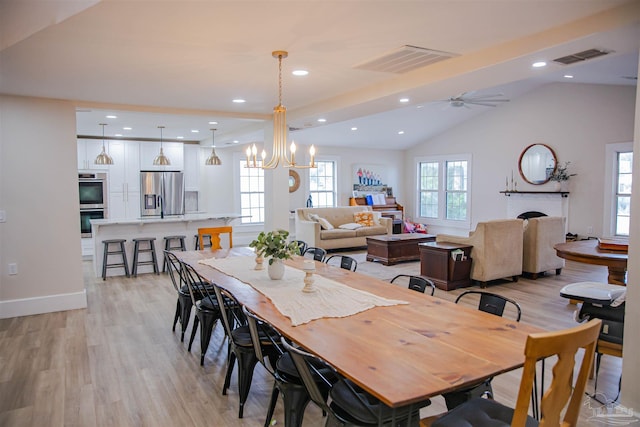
<point x="394" y="248"/>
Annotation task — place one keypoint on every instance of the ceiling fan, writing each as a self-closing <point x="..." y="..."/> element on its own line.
<point x="466" y="99"/>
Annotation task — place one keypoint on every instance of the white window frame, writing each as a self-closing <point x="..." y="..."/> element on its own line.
<point x="610" y="182"/>
<point x="441" y="220"/>
<point x="336" y="180"/>
<point x="237" y="159"/>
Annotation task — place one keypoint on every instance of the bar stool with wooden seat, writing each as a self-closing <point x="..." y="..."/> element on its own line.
<point x="173" y="243"/>
<point x="137" y="250"/>
<point x="119" y="250"/>
<point x="207" y="241"/>
<point x="215" y="233"/>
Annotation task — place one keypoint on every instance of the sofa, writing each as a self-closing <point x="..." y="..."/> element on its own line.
<point x="338" y="228"/>
<point x="540" y="235"/>
<point x="497" y="249"/>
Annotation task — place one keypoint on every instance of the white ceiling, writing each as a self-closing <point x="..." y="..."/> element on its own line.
<point x="181" y="63"/>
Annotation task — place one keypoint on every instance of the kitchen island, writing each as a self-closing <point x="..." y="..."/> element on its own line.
<point x="129" y="229"/>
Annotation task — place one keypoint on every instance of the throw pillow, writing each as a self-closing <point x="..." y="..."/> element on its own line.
<point x="376" y="218"/>
<point x="350" y="226"/>
<point x="326" y="225"/>
<point x="312" y="217"/>
<point x="365" y="219"/>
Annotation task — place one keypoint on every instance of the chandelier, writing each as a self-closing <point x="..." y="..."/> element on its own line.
<point x="279" y="150"/>
<point x="161" y="159"/>
<point x="213" y="159"/>
<point x="103" y="158"/>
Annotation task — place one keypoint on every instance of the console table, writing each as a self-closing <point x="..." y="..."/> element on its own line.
<point x="437" y="264"/>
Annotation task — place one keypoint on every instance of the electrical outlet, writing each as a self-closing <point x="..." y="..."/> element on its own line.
<point x="590" y="230"/>
<point x="13" y="269"/>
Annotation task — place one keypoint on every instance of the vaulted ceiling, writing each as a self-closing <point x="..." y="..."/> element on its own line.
<point x="181" y="63"/>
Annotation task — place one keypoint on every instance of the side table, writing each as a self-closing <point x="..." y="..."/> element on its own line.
<point x="437" y="264"/>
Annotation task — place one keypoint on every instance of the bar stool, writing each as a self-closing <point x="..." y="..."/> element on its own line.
<point x="207" y="241"/>
<point x="170" y="243"/>
<point x="137" y="250"/>
<point x="119" y="250"/>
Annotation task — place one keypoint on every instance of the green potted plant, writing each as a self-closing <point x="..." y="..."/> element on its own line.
<point x="273" y="245"/>
<point x="561" y="175"/>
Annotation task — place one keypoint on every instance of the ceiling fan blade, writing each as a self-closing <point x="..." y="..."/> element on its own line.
<point x="484" y="104"/>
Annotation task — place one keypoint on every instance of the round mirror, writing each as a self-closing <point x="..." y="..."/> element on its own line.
<point x="294" y="181"/>
<point x="537" y="163"/>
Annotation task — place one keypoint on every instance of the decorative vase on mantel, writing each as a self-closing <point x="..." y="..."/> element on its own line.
<point x="564" y="185"/>
<point x="275" y="269"/>
<point x="557" y="185"/>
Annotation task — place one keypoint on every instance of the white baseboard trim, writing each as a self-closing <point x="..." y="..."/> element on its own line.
<point x="44" y="304"/>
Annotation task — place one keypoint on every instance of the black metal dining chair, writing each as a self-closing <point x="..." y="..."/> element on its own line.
<point x="345" y="262"/>
<point x="416" y="283"/>
<point x="318" y="254"/>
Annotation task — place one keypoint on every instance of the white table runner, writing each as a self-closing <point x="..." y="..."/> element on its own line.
<point x="331" y="299"/>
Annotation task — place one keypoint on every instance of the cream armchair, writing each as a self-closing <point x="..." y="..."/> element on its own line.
<point x="540" y="235"/>
<point x="497" y="249"/>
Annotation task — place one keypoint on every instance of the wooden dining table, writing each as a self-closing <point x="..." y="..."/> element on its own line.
<point x="588" y="252"/>
<point x="401" y="354"/>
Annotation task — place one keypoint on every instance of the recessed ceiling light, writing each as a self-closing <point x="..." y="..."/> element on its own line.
<point x="300" y="72"/>
<point x="322" y="120"/>
<point x="404" y="99"/>
<point x="539" y="64"/>
<point x="354" y="128"/>
<point x="180" y="137"/>
<point x="213" y="123"/>
<point x="118" y="134"/>
<point x="568" y="76"/>
<point x="239" y="101"/>
<point x="126" y="128"/>
<point x="420" y="106"/>
<point x="111" y="116"/>
<point x="195" y="131"/>
<point x="235" y="141"/>
<point x="401" y="132"/>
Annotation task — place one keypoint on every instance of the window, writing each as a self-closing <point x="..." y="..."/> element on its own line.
<point x="443" y="188"/>
<point x="251" y="194"/>
<point x="322" y="184"/>
<point x="623" y="192"/>
<point x="617" y="189"/>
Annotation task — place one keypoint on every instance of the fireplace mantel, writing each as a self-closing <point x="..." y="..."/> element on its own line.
<point x="560" y="193"/>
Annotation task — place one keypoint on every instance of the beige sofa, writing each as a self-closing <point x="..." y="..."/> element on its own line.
<point x="314" y="234"/>
<point x="497" y="249"/>
<point x="540" y="235"/>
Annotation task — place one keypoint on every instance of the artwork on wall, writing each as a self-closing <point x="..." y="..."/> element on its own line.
<point x="369" y="178"/>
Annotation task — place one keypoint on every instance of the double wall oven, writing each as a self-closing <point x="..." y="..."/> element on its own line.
<point x="93" y="199"/>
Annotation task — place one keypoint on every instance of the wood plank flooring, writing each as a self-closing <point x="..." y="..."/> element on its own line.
<point x="117" y="363"/>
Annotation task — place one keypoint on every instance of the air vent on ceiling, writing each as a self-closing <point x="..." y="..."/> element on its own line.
<point x="581" y="56"/>
<point x="406" y="58"/>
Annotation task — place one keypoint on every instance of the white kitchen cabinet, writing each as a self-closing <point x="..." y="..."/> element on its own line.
<point x="192" y="156"/>
<point x="124" y="174"/>
<point x="173" y="150"/>
<point x="124" y="205"/>
<point x="88" y="150"/>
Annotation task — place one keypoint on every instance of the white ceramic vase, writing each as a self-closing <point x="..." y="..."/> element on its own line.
<point x="557" y="185"/>
<point x="276" y="269"/>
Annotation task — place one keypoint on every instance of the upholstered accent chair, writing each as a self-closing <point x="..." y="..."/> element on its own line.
<point x="497" y="249"/>
<point x="540" y="235"/>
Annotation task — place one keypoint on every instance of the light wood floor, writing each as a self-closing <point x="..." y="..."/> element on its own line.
<point x="117" y="363"/>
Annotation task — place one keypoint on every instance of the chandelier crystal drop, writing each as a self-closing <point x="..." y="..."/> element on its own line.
<point x="279" y="150"/>
<point x="103" y="158"/>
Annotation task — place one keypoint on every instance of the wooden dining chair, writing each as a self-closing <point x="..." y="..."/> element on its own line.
<point x="563" y="392"/>
<point x="215" y="233"/>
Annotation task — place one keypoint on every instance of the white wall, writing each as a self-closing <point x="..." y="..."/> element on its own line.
<point x="575" y="120"/>
<point x="39" y="192"/>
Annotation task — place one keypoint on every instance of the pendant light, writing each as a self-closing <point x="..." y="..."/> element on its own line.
<point x="213" y="159"/>
<point x="161" y="159"/>
<point x="103" y="158"/>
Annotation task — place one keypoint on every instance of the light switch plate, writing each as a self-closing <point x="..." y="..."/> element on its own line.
<point x="3" y="216"/>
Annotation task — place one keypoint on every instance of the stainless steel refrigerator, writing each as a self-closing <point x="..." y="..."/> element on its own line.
<point x="161" y="193"/>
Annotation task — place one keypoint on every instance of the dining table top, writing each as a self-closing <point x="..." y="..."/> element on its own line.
<point x="401" y="353"/>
